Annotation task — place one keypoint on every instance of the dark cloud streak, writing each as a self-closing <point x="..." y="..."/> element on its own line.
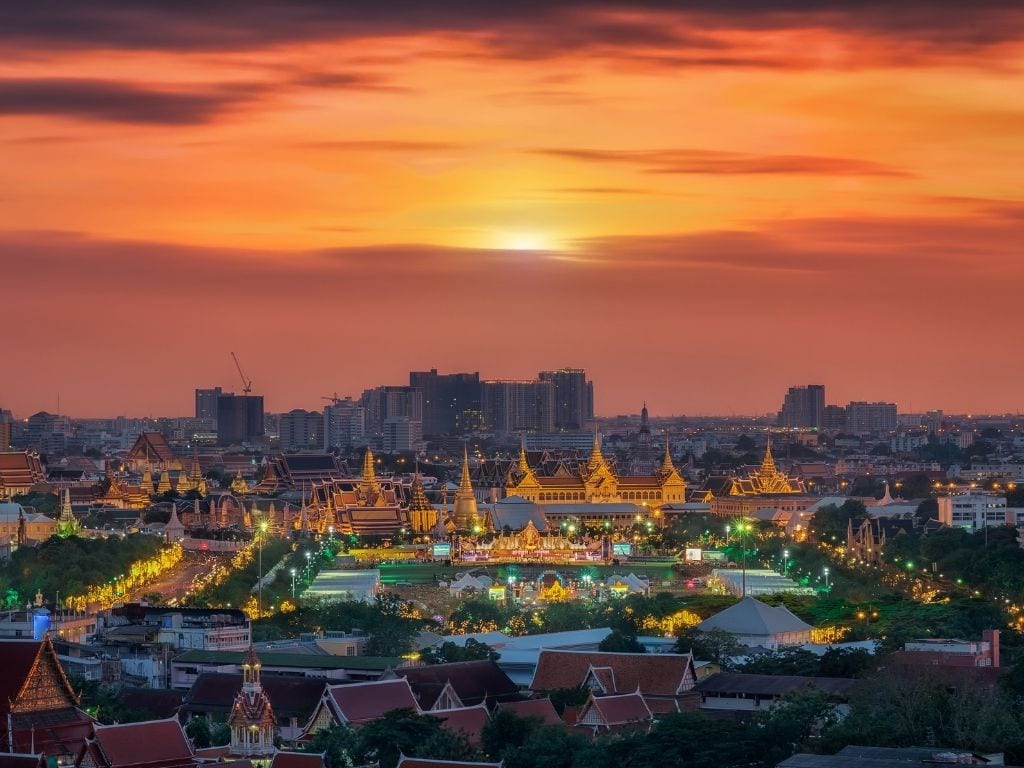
<point x="703" y="161"/>
<point x="119" y="102"/>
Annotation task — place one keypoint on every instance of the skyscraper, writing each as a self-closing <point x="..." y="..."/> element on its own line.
<point x="451" y="401"/>
<point x="206" y="403"/>
<point x="574" y="397"/>
<point x="870" y="418"/>
<point x="239" y="418"/>
<point x="389" y="404"/>
<point x="803" y="407"/>
<point x="518" y="406"/>
<point x="344" y="424"/>
<point x="300" y="430"/>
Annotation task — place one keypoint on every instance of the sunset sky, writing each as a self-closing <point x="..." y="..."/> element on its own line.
<point x="701" y="207"/>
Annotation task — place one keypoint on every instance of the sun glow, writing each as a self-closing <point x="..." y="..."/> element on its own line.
<point x="526" y="241"/>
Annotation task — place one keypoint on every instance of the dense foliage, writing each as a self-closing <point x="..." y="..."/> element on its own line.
<point x="70" y="566"/>
<point x="391" y="623"/>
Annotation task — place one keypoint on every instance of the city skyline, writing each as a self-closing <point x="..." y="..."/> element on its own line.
<point x="700" y="207"/>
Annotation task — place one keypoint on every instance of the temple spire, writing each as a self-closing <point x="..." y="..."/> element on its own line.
<point x="524" y="464"/>
<point x="369" y="486"/>
<point x="768" y="463"/>
<point x="596" y="459"/>
<point x="667" y="467"/>
<point x="465" y="484"/>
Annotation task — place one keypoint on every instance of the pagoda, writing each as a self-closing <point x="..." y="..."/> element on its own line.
<point x="464" y="509"/>
<point x="252" y="720"/>
<point x="422" y="515"/>
<point x="67" y="523"/>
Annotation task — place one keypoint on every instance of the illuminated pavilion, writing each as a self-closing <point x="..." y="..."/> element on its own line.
<point x="763" y="487"/>
<point x="596" y="482"/>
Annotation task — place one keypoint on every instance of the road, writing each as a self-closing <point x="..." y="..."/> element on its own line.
<point x="173" y="584"/>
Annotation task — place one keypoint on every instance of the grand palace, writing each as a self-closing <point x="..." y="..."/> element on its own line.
<point x="596" y="482"/>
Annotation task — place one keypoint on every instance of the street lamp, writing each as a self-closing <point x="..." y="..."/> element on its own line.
<point x="259" y="599"/>
<point x="785" y="561"/>
<point x="308" y="555"/>
<point x="827" y="587"/>
<point x="292" y="571"/>
<point x="741" y="529"/>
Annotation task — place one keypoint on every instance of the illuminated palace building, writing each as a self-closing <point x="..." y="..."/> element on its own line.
<point x="762" y="487"/>
<point x="594" y="493"/>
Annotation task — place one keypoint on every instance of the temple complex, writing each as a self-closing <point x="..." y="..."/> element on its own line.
<point x="765" y="486"/>
<point x="597" y="482"/>
<point x="363" y="507"/>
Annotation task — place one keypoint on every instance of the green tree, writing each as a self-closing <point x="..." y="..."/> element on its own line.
<point x="448" y="652"/>
<point x="715" y="645"/>
<point x="568" y="697"/>
<point x="337" y="743"/>
<point x="403" y="731"/>
<point x="220" y="735"/>
<point x="198" y="729"/>
<point x="550" y="746"/>
<point x="617" y="642"/>
<point x="830" y="522"/>
<point x="786" y="661"/>
<point x="507" y="730"/>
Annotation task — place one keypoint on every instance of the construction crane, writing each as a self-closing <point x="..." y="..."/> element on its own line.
<point x="334" y="399"/>
<point x="246" y="383"/>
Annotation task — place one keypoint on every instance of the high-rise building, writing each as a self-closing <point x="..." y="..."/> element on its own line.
<point x="239" y="418"/>
<point x="390" y="404"/>
<point x="574" y="397"/>
<point x="401" y="435"/>
<point x="870" y="418"/>
<point x="344" y="424"/>
<point x="5" y="429"/>
<point x="206" y="403"/>
<point x="451" y="401"/>
<point x="300" y="430"/>
<point x="803" y="407"/>
<point x="833" y="418"/>
<point x="518" y="406"/>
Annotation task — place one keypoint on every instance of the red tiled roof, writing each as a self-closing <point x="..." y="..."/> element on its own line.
<point x="467" y="720"/>
<point x="659" y="674"/>
<point x="20" y="469"/>
<point x="296" y="760"/>
<point x="539" y="708"/>
<point x="473" y="682"/>
<point x="18" y="656"/>
<point x="360" y="702"/>
<point x="55" y="732"/>
<point x="619" y="710"/>
<point x="292" y="696"/>
<point x="153" y="742"/>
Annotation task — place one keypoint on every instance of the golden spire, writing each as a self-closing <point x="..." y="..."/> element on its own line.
<point x="596" y="457"/>
<point x="667" y="467"/>
<point x="465" y="485"/>
<point x="418" y="502"/>
<point x="524" y="464"/>
<point x="195" y="472"/>
<point x="768" y="462"/>
<point x="368" y="471"/>
<point x="369" y="475"/>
